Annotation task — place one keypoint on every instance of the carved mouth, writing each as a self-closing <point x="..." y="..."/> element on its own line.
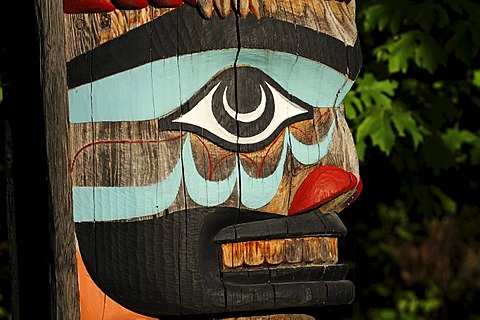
<point x="216" y="261"/>
<point x="282" y="249"/>
<point x="280" y="253"/>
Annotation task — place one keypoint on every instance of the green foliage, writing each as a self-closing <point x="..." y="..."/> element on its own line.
<point x="4" y="314"/>
<point x="414" y="113"/>
<point x="394" y="102"/>
<point x="411" y="46"/>
<point x="476" y="78"/>
<point x="378" y="116"/>
<point x="463" y="144"/>
<point x="409" y="306"/>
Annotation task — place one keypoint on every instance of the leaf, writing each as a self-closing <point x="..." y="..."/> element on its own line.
<point x="362" y="132"/>
<point x="374" y="16"/>
<point x="436" y="154"/>
<point x="476" y="78"/>
<point x="384" y="314"/>
<point x="457" y="140"/>
<point x="454" y="138"/>
<point x="397" y="51"/>
<point x="372" y="100"/>
<point x="404" y="122"/>
<point x="443" y="19"/>
<point x="428" y="54"/>
<point x="375" y="92"/>
<point x="378" y="127"/>
<point x="384" y="137"/>
<point x="430" y="14"/>
<point x="396" y="21"/>
<point x="475" y="154"/>
<point x="447" y="203"/>
<point x="425" y="16"/>
<point x="353" y="106"/>
<point x="457" y="42"/>
<point x="416" y="46"/>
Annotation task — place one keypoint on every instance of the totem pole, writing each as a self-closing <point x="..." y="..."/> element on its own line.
<point x="209" y="154"/>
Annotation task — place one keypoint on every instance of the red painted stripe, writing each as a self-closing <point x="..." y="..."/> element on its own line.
<point x="260" y="167"/>
<point x="209" y="156"/>
<point x="165" y="3"/>
<point x="89" y="145"/>
<point x="308" y="137"/>
<point x="97" y="6"/>
<point x="130" y="4"/>
<point x="87" y="6"/>
<point x="218" y="162"/>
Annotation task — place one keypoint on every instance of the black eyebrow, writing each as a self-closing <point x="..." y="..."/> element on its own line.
<point x="169" y="35"/>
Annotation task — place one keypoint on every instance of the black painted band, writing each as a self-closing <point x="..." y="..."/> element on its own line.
<point x="182" y="32"/>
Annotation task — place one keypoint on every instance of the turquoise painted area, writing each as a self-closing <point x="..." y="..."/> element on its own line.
<point x="205" y="192"/>
<point x="148" y="91"/>
<point x="258" y="192"/>
<point x="310" y="81"/>
<point x="154" y="90"/>
<point x="310" y="154"/>
<point x="119" y="203"/>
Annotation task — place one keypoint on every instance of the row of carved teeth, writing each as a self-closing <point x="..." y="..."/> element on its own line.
<point x="280" y="252"/>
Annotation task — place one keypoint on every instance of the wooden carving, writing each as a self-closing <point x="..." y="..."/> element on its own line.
<point x="210" y="153"/>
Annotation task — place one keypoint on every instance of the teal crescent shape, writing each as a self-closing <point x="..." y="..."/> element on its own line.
<point x="205" y="192"/>
<point x="257" y="192"/>
<point x="118" y="203"/>
<point x="310" y="154"/>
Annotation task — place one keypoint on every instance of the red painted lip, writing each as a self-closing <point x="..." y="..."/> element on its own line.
<point x="322" y="185"/>
<point x="90" y="6"/>
<point x="129" y="4"/>
<point x="84" y="6"/>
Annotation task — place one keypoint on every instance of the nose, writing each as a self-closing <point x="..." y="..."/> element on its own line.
<point x="322" y="185"/>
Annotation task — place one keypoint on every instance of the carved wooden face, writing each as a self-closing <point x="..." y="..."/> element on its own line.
<point x="210" y="159"/>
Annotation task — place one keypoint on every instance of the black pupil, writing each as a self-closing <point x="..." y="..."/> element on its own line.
<point x="244" y="95"/>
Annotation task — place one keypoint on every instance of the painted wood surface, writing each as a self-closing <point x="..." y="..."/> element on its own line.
<point x="210" y="154"/>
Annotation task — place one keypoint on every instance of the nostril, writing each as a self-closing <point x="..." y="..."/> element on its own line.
<point x="322" y="185"/>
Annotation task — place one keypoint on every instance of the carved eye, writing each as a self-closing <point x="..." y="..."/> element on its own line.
<point x="241" y="110"/>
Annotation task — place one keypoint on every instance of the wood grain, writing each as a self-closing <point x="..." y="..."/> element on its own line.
<point x="335" y="18"/>
<point x="64" y="291"/>
<point x="142" y="153"/>
<point x="84" y="32"/>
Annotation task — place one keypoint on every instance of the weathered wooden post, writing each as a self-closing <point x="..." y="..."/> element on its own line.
<point x="208" y="154"/>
